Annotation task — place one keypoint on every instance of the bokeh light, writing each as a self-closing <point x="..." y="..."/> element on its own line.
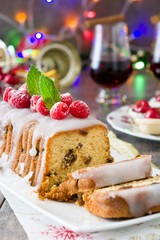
<point x="71" y="22"/>
<point x="21" y="17"/>
<point x="139" y="65"/>
<point x="90" y="14"/>
<point x="38" y="35"/>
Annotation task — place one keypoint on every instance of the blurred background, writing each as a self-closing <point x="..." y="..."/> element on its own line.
<point x="50" y="17"/>
<point x="26" y="27"/>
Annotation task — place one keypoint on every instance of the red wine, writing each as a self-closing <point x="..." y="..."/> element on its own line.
<point x="155" y="67"/>
<point x="110" y="74"/>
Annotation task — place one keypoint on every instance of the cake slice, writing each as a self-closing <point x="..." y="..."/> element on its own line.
<point x="103" y="175"/>
<point x="134" y="199"/>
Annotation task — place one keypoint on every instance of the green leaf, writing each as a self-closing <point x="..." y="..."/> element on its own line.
<point x="33" y="81"/>
<point x="49" y="92"/>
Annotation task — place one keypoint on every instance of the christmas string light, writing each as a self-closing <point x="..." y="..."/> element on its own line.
<point x="90" y="14"/>
<point x="49" y="1"/>
<point x="38" y="35"/>
<point x="21" y="17"/>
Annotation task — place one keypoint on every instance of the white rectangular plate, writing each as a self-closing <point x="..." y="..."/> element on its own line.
<point x="70" y="215"/>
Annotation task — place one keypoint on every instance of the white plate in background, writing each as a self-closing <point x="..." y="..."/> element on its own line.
<point x="121" y="121"/>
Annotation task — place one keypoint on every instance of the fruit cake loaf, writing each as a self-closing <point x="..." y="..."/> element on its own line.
<point x="103" y="175"/>
<point x="46" y="149"/>
<point x="133" y="199"/>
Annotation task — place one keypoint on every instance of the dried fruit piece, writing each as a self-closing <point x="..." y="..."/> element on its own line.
<point x="59" y="111"/>
<point x="79" y="109"/>
<point x="87" y="160"/>
<point x="82" y="132"/>
<point x="69" y="158"/>
<point x="41" y="108"/>
<point x="79" y="146"/>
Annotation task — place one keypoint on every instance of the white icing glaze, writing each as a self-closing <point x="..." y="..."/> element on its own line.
<point x="4" y="108"/>
<point x="3" y="160"/>
<point x="40" y="175"/>
<point x="118" y="172"/>
<point x="153" y="103"/>
<point x="33" y="151"/>
<point x="19" y="118"/>
<point x="140" y="199"/>
<point x="21" y="168"/>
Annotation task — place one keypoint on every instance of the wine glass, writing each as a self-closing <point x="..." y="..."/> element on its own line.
<point x="155" y="59"/>
<point x="110" y="63"/>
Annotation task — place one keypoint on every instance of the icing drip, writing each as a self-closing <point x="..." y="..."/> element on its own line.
<point x="5" y="107"/>
<point x="33" y="151"/>
<point x="19" y="118"/>
<point x="3" y="160"/>
<point x="40" y="175"/>
<point x="21" y="168"/>
<point x="119" y="172"/>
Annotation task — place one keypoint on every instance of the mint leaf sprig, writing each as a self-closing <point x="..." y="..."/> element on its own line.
<point x="39" y="84"/>
<point x="49" y="92"/>
<point x="33" y="81"/>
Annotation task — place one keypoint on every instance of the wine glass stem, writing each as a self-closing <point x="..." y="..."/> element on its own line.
<point x="110" y="96"/>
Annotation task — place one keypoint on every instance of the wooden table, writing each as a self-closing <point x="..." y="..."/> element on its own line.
<point x="141" y="85"/>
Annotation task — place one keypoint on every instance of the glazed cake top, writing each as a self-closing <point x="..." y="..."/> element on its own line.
<point x="46" y="127"/>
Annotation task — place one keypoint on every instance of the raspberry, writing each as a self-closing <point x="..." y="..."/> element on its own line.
<point x="1" y="77"/>
<point x="59" y="111"/>
<point x="10" y="96"/>
<point x="20" y="99"/>
<point x="79" y="109"/>
<point x="141" y="106"/>
<point x="23" y="87"/>
<point x="1" y="71"/>
<point x="11" y="79"/>
<point x="6" y="92"/>
<point x="33" y="102"/>
<point x="66" y="98"/>
<point x="41" y="108"/>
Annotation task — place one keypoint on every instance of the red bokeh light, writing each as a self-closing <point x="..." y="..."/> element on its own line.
<point x="88" y="34"/>
<point x="90" y="14"/>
